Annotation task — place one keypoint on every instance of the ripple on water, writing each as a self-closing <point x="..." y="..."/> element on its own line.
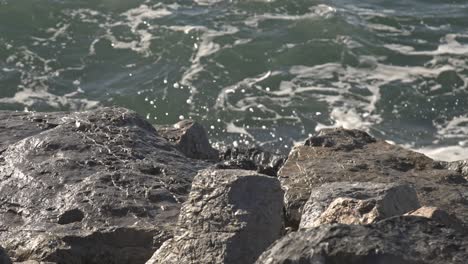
<point x="254" y="72"/>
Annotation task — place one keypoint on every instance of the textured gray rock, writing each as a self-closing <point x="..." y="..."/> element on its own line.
<point x="338" y="155"/>
<point x="231" y="216"/>
<point x="461" y="167"/>
<point x="91" y="187"/>
<point x="402" y="240"/>
<point x="364" y="203"/>
<point x="190" y="138"/>
<point x="15" y="126"/>
<point x="438" y="215"/>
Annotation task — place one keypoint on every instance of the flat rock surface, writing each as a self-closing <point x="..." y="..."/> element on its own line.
<point x="338" y="155"/>
<point x="90" y="187"/>
<point x="401" y="240"/>
<point x="357" y="203"/>
<point x="231" y="216"/>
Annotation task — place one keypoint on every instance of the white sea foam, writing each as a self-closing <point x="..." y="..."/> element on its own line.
<point x="32" y="97"/>
<point x="446" y="153"/>
<point x="316" y="12"/>
<point x="207" y="2"/>
<point x="450" y="46"/>
<point x="132" y="18"/>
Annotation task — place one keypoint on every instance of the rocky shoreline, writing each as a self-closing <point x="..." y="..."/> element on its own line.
<point x="105" y="186"/>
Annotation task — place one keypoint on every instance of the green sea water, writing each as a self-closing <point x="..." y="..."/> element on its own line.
<point x="267" y="73"/>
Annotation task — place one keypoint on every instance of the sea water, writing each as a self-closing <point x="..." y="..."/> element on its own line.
<point x="267" y="73"/>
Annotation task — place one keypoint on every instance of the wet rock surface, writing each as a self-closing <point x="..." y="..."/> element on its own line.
<point x="231" y="216"/>
<point x="91" y="187"/>
<point x="357" y="203"/>
<point x="339" y="155"/>
<point x="15" y="126"/>
<point x="402" y="240"/>
<point x="190" y="138"/>
<point x="251" y="159"/>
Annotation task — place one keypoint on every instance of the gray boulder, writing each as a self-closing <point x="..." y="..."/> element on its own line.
<point x="402" y="240"/>
<point x="231" y="216"/>
<point x="92" y="187"/>
<point x="357" y="203"/>
<point x="190" y="138"/>
<point x="339" y="155"/>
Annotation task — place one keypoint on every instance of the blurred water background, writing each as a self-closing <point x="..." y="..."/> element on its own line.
<point x="253" y="72"/>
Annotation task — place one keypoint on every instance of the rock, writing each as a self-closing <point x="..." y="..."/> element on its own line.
<point x="402" y="240"/>
<point x="4" y="259"/>
<point x="461" y="167"/>
<point x="15" y="126"/>
<point x="91" y="187"/>
<point x="251" y="159"/>
<point x="440" y="216"/>
<point x="357" y="203"/>
<point x="231" y="216"/>
<point x="338" y="155"/>
<point x="190" y="138"/>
